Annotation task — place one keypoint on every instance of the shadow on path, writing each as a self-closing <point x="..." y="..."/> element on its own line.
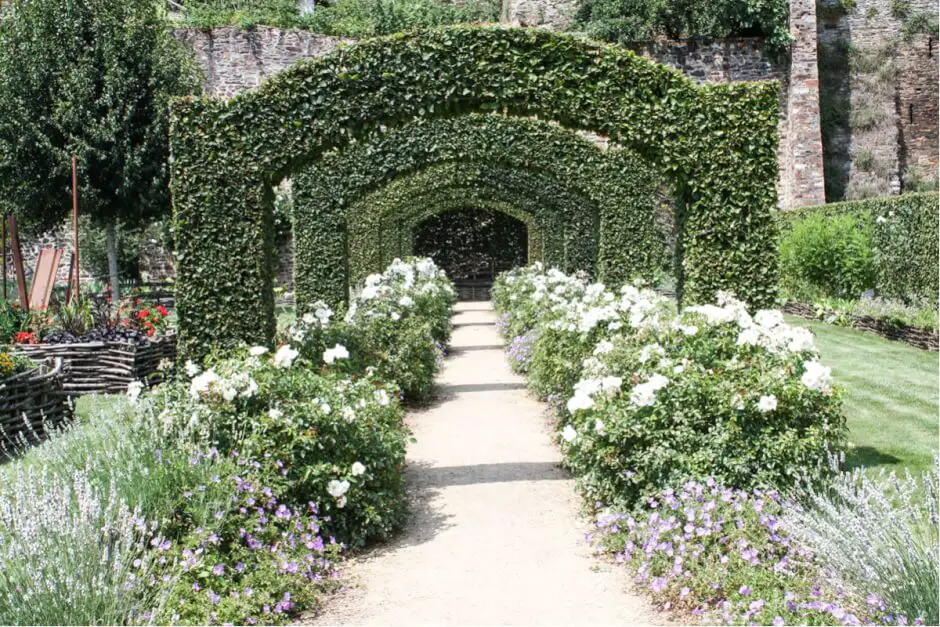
<point x="449" y="392"/>
<point x="489" y="473"/>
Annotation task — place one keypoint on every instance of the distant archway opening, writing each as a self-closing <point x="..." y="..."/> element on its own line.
<point x="472" y="245"/>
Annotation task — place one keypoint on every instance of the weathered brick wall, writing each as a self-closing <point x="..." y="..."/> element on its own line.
<point x="801" y="163"/>
<point x="918" y="97"/>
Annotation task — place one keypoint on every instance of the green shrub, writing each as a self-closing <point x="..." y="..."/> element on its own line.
<point x="662" y="398"/>
<point x="903" y="232"/>
<point x="827" y="256"/>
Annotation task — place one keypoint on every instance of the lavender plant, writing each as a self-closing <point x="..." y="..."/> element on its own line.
<point x="879" y="534"/>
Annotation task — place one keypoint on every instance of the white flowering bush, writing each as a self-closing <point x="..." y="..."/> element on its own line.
<point x="397" y="324"/>
<point x="659" y="398"/>
<point x="321" y="429"/>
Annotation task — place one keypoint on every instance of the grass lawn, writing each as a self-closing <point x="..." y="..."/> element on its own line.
<point x="892" y="396"/>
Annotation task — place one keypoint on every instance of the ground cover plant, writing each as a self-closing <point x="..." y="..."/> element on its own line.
<point x="223" y="496"/>
<point x="709" y="445"/>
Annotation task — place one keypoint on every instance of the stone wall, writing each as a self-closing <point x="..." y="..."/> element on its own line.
<point x="554" y="14"/>
<point x="234" y="60"/>
<point x="879" y="98"/>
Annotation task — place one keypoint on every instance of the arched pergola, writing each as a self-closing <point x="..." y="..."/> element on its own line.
<point x="573" y="219"/>
<point x="717" y="143"/>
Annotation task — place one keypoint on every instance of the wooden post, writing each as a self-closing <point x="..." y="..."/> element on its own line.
<point x="76" y="294"/>
<point x="18" y="264"/>
<point x="3" y="252"/>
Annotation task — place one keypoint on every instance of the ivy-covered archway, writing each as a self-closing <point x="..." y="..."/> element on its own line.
<point x="374" y="219"/>
<point x="717" y="142"/>
<point x="616" y="181"/>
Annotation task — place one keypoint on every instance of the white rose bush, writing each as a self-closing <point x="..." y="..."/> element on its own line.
<point x="398" y="323"/>
<point x="694" y="434"/>
<point x="713" y="391"/>
<point x="227" y="494"/>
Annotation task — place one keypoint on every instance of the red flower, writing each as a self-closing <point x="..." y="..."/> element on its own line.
<point x="162" y="310"/>
<point x="25" y="337"/>
<point x="143" y="313"/>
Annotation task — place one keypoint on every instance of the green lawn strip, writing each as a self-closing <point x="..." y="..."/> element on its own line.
<point x="891" y="398"/>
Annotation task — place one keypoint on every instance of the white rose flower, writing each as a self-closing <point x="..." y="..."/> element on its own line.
<point x="325" y="408"/>
<point x="349" y="414"/>
<point x="357" y="469"/>
<point x="579" y="401"/>
<point x="337" y="488"/>
<point x="749" y="337"/>
<point x="382" y="397"/>
<point x="603" y="347"/>
<point x="257" y="351"/>
<point x="309" y="318"/>
<point x="767" y="403"/>
<point x="817" y="377"/>
<point x="568" y="434"/>
<point x="201" y="383"/>
<point x="191" y="369"/>
<point x="406" y="301"/>
<point x="285" y="356"/>
<point x="341" y="502"/>
<point x="274" y="413"/>
<point x="229" y="393"/>
<point x="737" y="402"/>
<point x="337" y="352"/>
<point x="599" y="426"/>
<point x="611" y="384"/>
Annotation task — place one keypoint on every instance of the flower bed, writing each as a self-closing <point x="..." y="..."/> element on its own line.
<point x="926" y="339"/>
<point x="227" y="494"/>
<point x="698" y="438"/>
<point x="107" y="367"/>
<point x="31" y="402"/>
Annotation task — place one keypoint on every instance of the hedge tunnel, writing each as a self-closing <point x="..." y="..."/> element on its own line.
<point x="572" y="216"/>
<point x="716" y="143"/>
<point x="617" y="181"/>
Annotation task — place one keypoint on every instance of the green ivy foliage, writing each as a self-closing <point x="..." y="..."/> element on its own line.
<point x="617" y="182"/>
<point x="576" y="217"/>
<point x="904" y="231"/>
<point x="717" y="143"/>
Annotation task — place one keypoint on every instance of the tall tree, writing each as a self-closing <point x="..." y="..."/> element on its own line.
<point x="91" y="78"/>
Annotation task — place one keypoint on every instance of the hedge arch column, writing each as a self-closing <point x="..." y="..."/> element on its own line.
<point x="717" y="141"/>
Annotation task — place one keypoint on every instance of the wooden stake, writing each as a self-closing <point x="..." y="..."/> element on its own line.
<point x="18" y="264"/>
<point x="76" y="294"/>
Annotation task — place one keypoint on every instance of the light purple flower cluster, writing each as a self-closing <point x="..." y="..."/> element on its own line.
<point x="272" y="536"/>
<point x="520" y="351"/>
<point x="722" y="553"/>
<point x="502" y="323"/>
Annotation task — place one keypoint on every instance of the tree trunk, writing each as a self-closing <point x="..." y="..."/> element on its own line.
<point x="111" y="232"/>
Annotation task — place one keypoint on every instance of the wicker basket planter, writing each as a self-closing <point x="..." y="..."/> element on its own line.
<point x="30" y="403"/>
<point x="106" y="367"/>
<point x="921" y="338"/>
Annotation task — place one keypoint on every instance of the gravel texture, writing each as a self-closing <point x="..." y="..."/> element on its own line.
<point x="494" y="537"/>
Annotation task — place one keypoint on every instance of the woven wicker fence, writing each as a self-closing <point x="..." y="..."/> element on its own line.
<point x="106" y="367"/>
<point x="921" y="338"/>
<point x="31" y="403"/>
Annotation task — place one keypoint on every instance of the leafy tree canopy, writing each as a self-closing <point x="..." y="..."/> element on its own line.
<point x="91" y="78"/>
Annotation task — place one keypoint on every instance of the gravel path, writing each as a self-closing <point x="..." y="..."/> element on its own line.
<point x="494" y="537"/>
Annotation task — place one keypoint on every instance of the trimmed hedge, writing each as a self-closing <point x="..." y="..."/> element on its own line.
<point x="904" y="234"/>
<point x="617" y="181"/>
<point x="718" y="143"/>
<point x="373" y="220"/>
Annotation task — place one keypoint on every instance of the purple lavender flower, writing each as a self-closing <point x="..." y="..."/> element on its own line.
<point x="218" y="570"/>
